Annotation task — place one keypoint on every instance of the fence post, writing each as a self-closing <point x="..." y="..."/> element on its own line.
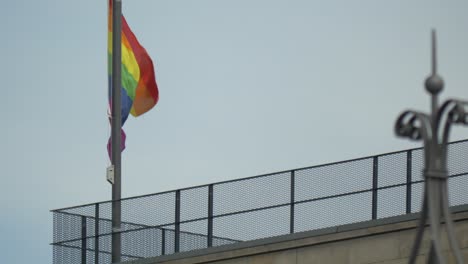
<point x="375" y="173"/>
<point x="163" y="241"/>
<point x="210" y="215"/>
<point x="83" y="239"/>
<point x="291" y="210"/>
<point x="96" y="234"/>
<point x="409" y="161"/>
<point x="177" y="223"/>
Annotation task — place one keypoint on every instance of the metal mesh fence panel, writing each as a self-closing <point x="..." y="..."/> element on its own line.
<point x="391" y="202"/>
<point x="142" y="243"/>
<point x="90" y="257"/>
<point x="64" y="254"/>
<point x="347" y="209"/>
<point x="90" y="251"/>
<point x="69" y="252"/>
<point x="90" y="228"/>
<point x="66" y="227"/>
<point x="223" y="241"/>
<point x="251" y="193"/>
<point x="457" y="158"/>
<point x="417" y="165"/>
<point x="253" y="225"/>
<point x="391" y="169"/>
<point x="193" y="235"/>
<point x="458" y="168"/>
<point x="105" y="216"/>
<point x="457" y="187"/>
<point x="194" y="203"/>
<point x="416" y="197"/>
<point x="334" y="179"/>
<point x="105" y="245"/>
<point x="254" y="208"/>
<point x="149" y="210"/>
<point x="86" y="210"/>
<point x="169" y="240"/>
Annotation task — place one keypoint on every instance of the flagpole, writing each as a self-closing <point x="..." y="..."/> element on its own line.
<point x="116" y="128"/>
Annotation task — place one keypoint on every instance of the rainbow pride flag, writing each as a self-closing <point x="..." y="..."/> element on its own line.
<point x="139" y="89"/>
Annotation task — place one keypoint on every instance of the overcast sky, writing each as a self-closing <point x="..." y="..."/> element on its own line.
<point x="246" y="87"/>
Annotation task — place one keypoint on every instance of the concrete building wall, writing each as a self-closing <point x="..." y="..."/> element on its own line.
<point x="384" y="241"/>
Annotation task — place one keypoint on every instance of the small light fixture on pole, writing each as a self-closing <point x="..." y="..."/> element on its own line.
<point x="433" y="130"/>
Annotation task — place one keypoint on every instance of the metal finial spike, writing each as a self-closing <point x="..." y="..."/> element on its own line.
<point x="434" y="83"/>
<point x="434" y="52"/>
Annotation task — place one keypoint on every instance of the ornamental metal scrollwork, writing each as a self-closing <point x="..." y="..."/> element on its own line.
<point x="434" y="130"/>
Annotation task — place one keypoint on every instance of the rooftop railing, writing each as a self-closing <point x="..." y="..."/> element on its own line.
<point x="251" y="208"/>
